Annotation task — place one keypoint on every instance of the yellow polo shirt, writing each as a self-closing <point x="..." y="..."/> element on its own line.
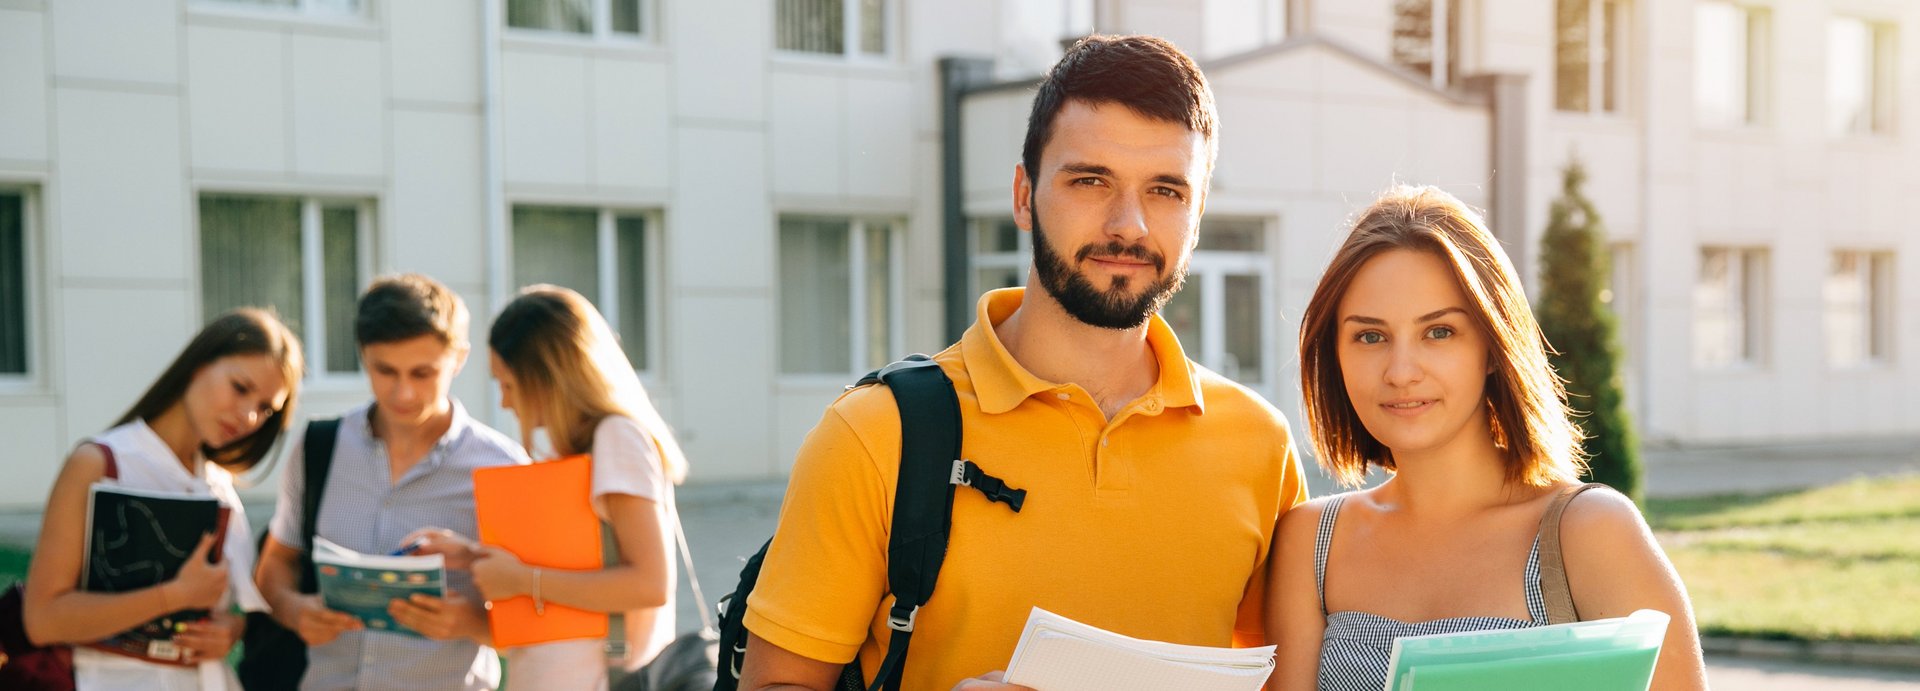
<point x="1155" y="524"/>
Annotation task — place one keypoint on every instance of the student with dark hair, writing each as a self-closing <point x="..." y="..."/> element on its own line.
<point x="401" y="463"/>
<point x="1153" y="485"/>
<point x="215" y="411"/>
<point x="1420" y="356"/>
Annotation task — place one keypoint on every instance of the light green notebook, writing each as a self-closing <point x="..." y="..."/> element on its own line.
<point x="1602" y="655"/>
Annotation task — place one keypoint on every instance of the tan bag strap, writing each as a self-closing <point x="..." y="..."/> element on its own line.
<point x="1553" y="562"/>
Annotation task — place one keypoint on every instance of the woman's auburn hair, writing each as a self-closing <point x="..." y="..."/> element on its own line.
<point x="1526" y="400"/>
<point x="240" y="332"/>
<point x="569" y="366"/>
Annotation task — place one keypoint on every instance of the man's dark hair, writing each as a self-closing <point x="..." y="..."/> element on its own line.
<point x="1143" y="73"/>
<point x="408" y="306"/>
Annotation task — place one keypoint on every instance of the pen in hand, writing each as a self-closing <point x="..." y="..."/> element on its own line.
<point x="409" y="548"/>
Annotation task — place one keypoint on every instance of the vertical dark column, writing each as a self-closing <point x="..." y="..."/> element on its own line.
<point x="957" y="77"/>
<point x="1506" y="97"/>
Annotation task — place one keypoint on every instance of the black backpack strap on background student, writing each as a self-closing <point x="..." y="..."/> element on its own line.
<point x="930" y="468"/>
<point x="273" y="657"/>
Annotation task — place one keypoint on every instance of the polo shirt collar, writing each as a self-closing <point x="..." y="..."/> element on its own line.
<point x="1002" y="383"/>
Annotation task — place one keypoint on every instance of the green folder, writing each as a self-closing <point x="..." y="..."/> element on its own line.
<point x="1601" y="655"/>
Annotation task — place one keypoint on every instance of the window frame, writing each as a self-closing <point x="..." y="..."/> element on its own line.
<point x="1602" y="14"/>
<point x="33" y="380"/>
<point x="1443" y="16"/>
<point x="1754" y="291"/>
<point x="607" y="263"/>
<point x="1882" y="78"/>
<point x="1758" y="68"/>
<point x="859" y="357"/>
<point x="1878" y="314"/>
<point x="850" y="26"/>
<point x="304" y="10"/>
<point x="313" y="306"/>
<point x="601" y="30"/>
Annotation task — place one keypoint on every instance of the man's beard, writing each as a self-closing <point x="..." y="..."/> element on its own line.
<point x="1112" y="308"/>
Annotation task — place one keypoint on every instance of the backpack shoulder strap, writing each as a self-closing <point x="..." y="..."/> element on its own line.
<point x="923" y="497"/>
<point x="113" y="465"/>
<point x="318" y="456"/>
<point x="1553" y="562"/>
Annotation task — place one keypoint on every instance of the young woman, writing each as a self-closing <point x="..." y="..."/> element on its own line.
<point x="1420" y="355"/>
<point x="562" y="371"/>
<point x="214" y="412"/>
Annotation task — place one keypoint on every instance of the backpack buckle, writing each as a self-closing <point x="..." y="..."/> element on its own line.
<point x="959" y="476"/>
<point x="902" y="622"/>
<point x="968" y="474"/>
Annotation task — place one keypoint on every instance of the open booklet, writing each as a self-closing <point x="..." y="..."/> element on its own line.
<point x="363" y="584"/>
<point x="1059" y="654"/>
<point x="139" y="538"/>
<point x="1603" y="654"/>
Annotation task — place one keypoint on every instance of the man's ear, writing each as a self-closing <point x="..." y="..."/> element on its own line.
<point x="1022" y="197"/>
<point x="460" y="354"/>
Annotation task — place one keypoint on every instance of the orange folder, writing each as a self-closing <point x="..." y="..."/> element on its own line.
<point x="542" y="513"/>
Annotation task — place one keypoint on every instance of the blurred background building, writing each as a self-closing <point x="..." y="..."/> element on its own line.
<point x="770" y="197"/>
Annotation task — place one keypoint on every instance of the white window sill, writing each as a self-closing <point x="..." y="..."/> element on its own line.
<point x="569" y="43"/>
<point x="213" y="13"/>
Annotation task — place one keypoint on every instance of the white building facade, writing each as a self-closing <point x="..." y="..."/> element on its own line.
<point x="769" y="197"/>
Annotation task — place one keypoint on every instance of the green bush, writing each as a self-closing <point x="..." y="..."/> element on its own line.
<point x="1583" y="334"/>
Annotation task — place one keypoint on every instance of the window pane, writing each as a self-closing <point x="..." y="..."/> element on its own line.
<point x="340" y="260"/>
<point x="1613" y="16"/>
<point x="1183" y="314"/>
<point x="626" y="17"/>
<point x="630" y="242"/>
<point x="815" y="290"/>
<point x="1716" y="304"/>
<point x="557" y="245"/>
<point x="873" y="28"/>
<point x="1850" y="58"/>
<point x="878" y="278"/>
<point x="13" y="283"/>
<point x="995" y="279"/>
<point x="553" y="15"/>
<point x="1720" y="64"/>
<point x="264" y="3"/>
<point x="333" y="7"/>
<point x="1233" y="235"/>
<point x="1245" y="312"/>
<point x="1880" y="308"/>
<point x="1571" y="54"/>
<point x="1413" y="35"/>
<point x="810" y="26"/>
<point x="996" y="235"/>
<point x="1846" y="309"/>
<point x="250" y="256"/>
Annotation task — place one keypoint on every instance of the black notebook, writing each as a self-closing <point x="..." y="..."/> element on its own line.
<point x="140" y="538"/>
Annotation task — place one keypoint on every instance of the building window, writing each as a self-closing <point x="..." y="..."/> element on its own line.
<point x="1002" y="254"/>
<point x="852" y="28"/>
<point x="1860" y="84"/>
<point x="1859" y="308"/>
<point x="622" y="18"/>
<point x="841" y="288"/>
<point x="306" y="258"/>
<point x="1729" y="304"/>
<point x="1418" y="27"/>
<point x="320" y="8"/>
<point x="1590" y="49"/>
<point x="605" y="255"/>
<point x="1732" y="63"/>
<point x="15" y="268"/>
<point x="1222" y="315"/>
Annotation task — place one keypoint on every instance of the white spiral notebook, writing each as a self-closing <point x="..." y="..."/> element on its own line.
<point x="1060" y="654"/>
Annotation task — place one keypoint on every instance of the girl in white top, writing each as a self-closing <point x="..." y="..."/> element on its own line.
<point x="215" y="411"/>
<point x="561" y="370"/>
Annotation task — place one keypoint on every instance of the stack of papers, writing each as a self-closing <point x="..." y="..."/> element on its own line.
<point x="363" y="584"/>
<point x="1604" y="654"/>
<point x="138" y="538"/>
<point x="1060" y="654"/>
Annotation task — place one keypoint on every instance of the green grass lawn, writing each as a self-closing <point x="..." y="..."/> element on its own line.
<point x="1834" y="563"/>
<point x="13" y="564"/>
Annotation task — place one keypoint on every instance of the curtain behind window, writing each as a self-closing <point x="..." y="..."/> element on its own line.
<point x="250" y="255"/>
<point x="815" y="292"/>
<point x="13" y="284"/>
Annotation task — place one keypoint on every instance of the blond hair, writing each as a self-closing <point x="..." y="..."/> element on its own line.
<point x="569" y="367"/>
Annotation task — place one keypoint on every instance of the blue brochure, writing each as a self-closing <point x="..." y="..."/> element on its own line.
<point x="362" y="584"/>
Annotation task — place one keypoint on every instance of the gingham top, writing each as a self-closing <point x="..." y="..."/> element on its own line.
<point x="1356" y="646"/>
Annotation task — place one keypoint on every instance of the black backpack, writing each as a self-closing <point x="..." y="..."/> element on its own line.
<point x="930" y="468"/>
<point x="271" y="656"/>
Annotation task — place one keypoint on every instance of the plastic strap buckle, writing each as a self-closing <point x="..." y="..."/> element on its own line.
<point x="902" y="622"/>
